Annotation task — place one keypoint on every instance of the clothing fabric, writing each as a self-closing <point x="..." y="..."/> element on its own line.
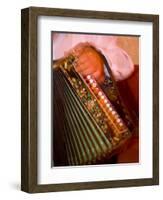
<point x="119" y="61"/>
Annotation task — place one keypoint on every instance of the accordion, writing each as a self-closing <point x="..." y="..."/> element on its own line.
<point x="90" y="123"/>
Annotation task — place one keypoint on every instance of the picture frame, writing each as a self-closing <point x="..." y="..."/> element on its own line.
<point x="29" y="98"/>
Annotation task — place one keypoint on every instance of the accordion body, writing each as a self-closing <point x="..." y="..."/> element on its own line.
<point x="90" y="123"/>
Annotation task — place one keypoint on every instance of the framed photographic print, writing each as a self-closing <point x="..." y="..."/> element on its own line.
<point x="90" y="99"/>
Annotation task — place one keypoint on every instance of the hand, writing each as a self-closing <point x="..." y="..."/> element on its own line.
<point x="89" y="62"/>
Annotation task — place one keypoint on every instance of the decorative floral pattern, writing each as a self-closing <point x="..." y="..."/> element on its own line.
<point x="95" y="101"/>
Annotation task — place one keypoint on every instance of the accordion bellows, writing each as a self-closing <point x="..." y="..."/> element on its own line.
<point x="88" y="129"/>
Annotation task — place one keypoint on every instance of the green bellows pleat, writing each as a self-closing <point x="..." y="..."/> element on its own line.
<point x="84" y="140"/>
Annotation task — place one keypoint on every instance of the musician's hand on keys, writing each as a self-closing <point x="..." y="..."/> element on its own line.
<point x="89" y="62"/>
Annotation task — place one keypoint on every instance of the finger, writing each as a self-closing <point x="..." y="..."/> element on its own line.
<point x="85" y="70"/>
<point x="96" y="74"/>
<point x="82" y="67"/>
<point x="83" y="59"/>
<point x="88" y="71"/>
<point x="99" y="76"/>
